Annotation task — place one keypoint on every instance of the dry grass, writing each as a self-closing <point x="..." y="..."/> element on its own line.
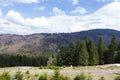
<point x="108" y="71"/>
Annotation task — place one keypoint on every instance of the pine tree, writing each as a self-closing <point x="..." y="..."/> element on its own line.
<point x="112" y="50"/>
<point x="117" y="56"/>
<point x="77" y="53"/>
<point x="93" y="54"/>
<point x="118" y="47"/>
<point x="61" y="57"/>
<point x="84" y="54"/>
<point x="101" y="50"/>
<point x="71" y="53"/>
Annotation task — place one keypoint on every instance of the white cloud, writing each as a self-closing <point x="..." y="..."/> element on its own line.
<point x="117" y="0"/>
<point x="106" y="17"/>
<point x="10" y="2"/>
<point x="79" y="10"/>
<point x="75" y="2"/>
<point x="15" y="17"/>
<point x="58" y="11"/>
<point x="25" y="1"/>
<point x="0" y="13"/>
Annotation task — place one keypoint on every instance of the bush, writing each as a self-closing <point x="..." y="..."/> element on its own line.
<point x="43" y="77"/>
<point x="117" y="78"/>
<point x="80" y="77"/>
<point x="57" y="76"/>
<point x="36" y="75"/>
<point x="18" y="76"/>
<point x="89" y="77"/>
<point x="27" y="72"/>
<point x="102" y="78"/>
<point x="5" y="76"/>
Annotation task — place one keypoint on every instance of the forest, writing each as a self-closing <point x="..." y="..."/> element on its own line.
<point x="80" y="53"/>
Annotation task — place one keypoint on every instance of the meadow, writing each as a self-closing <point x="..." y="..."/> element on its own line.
<point x="104" y="72"/>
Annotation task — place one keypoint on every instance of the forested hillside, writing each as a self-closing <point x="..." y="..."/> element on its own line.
<point x="85" y="52"/>
<point x="50" y="43"/>
<point x="80" y="53"/>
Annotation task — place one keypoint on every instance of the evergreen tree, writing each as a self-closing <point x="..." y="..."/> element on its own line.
<point x="61" y="57"/>
<point x="70" y="55"/>
<point x="112" y="50"/>
<point x="84" y="54"/>
<point x="118" y="47"/>
<point x="77" y="53"/>
<point x="101" y="50"/>
<point x="93" y="54"/>
<point x="117" y="57"/>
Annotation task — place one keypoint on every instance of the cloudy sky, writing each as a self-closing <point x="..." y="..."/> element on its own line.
<point x="56" y="16"/>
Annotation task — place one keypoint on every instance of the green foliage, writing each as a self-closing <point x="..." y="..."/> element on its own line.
<point x="102" y="78"/>
<point x="70" y="54"/>
<point x="77" y="54"/>
<point x="9" y="60"/>
<point x="117" y="78"/>
<point x="93" y="54"/>
<point x="5" y="76"/>
<point x="112" y="50"/>
<point x="84" y="54"/>
<point x="27" y="72"/>
<point x="117" y="57"/>
<point x="18" y="76"/>
<point x="80" y="77"/>
<point x="57" y="76"/>
<point x="101" y="51"/>
<point x="36" y="75"/>
<point x="80" y="53"/>
<point x="61" y="57"/>
<point x="89" y="77"/>
<point x="43" y="77"/>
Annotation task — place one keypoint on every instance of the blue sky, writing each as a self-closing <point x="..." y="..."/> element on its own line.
<point x="56" y="16"/>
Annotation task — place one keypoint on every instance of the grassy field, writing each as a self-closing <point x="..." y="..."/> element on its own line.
<point x="32" y="73"/>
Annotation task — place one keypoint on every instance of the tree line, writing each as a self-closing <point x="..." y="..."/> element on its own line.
<point x="84" y="53"/>
<point x="9" y="60"/>
<point x="80" y="53"/>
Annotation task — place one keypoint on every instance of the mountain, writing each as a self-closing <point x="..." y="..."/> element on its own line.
<point x="50" y="43"/>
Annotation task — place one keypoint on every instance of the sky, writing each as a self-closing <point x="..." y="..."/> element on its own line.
<point x="58" y="16"/>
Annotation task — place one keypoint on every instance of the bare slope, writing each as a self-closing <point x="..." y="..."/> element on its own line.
<point x="50" y="43"/>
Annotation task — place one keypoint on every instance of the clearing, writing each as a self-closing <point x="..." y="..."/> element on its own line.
<point x="108" y="71"/>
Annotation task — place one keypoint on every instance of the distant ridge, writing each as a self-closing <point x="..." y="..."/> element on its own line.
<point x="50" y="43"/>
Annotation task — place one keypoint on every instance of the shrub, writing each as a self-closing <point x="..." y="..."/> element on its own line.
<point x="80" y="77"/>
<point x="117" y="78"/>
<point x="61" y="77"/>
<point x="18" y="76"/>
<point x="36" y="75"/>
<point x="27" y="72"/>
<point x="43" y="77"/>
<point x="5" y="76"/>
<point x="57" y="76"/>
<point x="89" y="77"/>
<point x="102" y="78"/>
